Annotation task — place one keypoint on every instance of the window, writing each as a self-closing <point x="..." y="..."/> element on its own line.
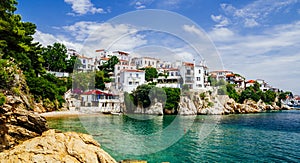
<point x="137" y="75"/>
<point x="137" y="83"/>
<point x="130" y="74"/>
<point x="83" y="61"/>
<point x="198" y="78"/>
<point x="130" y="83"/>
<point x="188" y="72"/>
<point x="199" y="71"/>
<point x="118" y="67"/>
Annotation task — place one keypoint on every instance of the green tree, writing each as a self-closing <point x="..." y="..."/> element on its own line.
<point x="150" y="73"/>
<point x="270" y="96"/>
<point x="212" y="81"/>
<point x="231" y="92"/>
<point x="55" y="57"/>
<point x="173" y="98"/>
<point x="99" y="80"/>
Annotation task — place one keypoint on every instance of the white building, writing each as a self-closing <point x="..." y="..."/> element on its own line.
<point x="100" y="101"/>
<point x="170" y="79"/>
<point x="220" y="74"/>
<point x="200" y="77"/>
<point x="263" y="85"/>
<point x="144" y="62"/>
<point x="131" y="79"/>
<point x="87" y="63"/>
<point x="193" y="75"/>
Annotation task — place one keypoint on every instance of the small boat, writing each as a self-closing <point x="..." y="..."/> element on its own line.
<point x="116" y="113"/>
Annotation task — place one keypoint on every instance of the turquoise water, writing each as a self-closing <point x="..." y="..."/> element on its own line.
<point x="264" y="137"/>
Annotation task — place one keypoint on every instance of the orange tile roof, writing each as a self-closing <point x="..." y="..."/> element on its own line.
<point x="129" y="70"/>
<point x="250" y="81"/>
<point x="100" y="50"/>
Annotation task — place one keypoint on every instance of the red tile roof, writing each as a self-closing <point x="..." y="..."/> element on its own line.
<point x="100" y="50"/>
<point x="121" y="53"/>
<point x="97" y="92"/>
<point x="230" y="75"/>
<point x="129" y="70"/>
<point x="189" y="64"/>
<point x="250" y="81"/>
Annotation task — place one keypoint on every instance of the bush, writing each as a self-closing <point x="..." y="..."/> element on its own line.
<point x="2" y="99"/>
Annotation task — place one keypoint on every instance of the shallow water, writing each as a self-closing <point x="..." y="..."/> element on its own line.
<point x="264" y="137"/>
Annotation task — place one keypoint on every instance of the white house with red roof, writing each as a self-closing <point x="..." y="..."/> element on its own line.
<point x="100" y="101"/>
<point x="194" y="75"/>
<point x="131" y="79"/>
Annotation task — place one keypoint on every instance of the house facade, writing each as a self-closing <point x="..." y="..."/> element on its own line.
<point x="131" y="79"/>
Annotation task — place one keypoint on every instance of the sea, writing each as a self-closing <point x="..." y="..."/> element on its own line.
<point x="261" y="137"/>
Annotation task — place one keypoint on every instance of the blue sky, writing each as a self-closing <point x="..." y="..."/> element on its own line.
<point x="258" y="39"/>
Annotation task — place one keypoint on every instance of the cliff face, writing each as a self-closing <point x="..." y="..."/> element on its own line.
<point x="209" y="103"/>
<point x="53" y="146"/>
<point x="18" y="121"/>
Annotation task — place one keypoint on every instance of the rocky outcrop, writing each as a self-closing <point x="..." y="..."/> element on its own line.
<point x="18" y="124"/>
<point x="156" y="109"/>
<point x="54" y="146"/>
<point x="249" y="106"/>
<point x="212" y="104"/>
<point x="186" y="106"/>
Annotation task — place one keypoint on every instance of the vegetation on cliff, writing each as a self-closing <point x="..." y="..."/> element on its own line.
<point x="147" y="95"/>
<point x="17" y="49"/>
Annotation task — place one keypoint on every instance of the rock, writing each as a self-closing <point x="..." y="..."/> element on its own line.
<point x="54" y="146"/>
<point x="156" y="109"/>
<point x="21" y="124"/>
<point x="186" y="106"/>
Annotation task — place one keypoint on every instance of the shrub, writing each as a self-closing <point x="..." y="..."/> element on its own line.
<point x="2" y="99"/>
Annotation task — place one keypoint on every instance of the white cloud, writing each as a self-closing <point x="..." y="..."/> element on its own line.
<point x="255" y="13"/>
<point x="48" y="39"/>
<point x="194" y="30"/>
<point x="221" y="20"/>
<point x="272" y="55"/>
<point x="139" y="5"/>
<point x="82" y="7"/>
<point x="105" y="35"/>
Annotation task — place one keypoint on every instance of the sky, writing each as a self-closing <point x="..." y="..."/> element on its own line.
<point x="258" y="39"/>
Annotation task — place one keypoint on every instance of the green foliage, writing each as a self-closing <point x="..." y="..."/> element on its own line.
<point x="150" y="73"/>
<point x="212" y="81"/>
<point x="128" y="99"/>
<point x="2" y="99"/>
<point x="146" y="95"/>
<point x="55" y="58"/>
<point x="173" y="98"/>
<point x="231" y="92"/>
<point x="99" y="80"/>
<point x="210" y="104"/>
<point x="249" y="93"/>
<point x="8" y="69"/>
<point x="222" y="90"/>
<point x="109" y="66"/>
<point x="221" y="82"/>
<point x="47" y="87"/>
<point x="84" y="80"/>
<point x="269" y="97"/>
<point x="202" y="95"/>
<point x="141" y="95"/>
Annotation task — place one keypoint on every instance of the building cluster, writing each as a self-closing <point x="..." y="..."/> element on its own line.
<point x="129" y="73"/>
